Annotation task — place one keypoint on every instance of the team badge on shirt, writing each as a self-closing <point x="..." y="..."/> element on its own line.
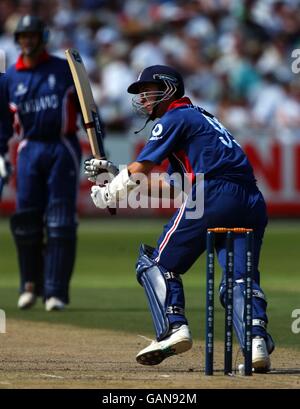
<point x="21" y="90"/>
<point x="51" y="81"/>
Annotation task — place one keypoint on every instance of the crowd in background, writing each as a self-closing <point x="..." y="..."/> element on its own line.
<point x="235" y="55"/>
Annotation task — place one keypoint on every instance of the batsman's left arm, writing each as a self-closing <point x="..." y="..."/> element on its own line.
<point x="132" y="176"/>
<point x="156" y="186"/>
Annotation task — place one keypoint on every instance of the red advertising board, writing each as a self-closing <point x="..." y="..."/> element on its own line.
<point x="276" y="165"/>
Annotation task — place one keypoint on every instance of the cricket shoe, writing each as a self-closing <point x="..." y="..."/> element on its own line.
<point x="261" y="362"/>
<point x="26" y="300"/>
<point x="54" y="304"/>
<point x="179" y="340"/>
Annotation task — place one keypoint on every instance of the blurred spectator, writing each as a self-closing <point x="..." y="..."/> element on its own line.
<point x="269" y="96"/>
<point x="234" y="55"/>
<point x="288" y="111"/>
<point x="7" y="43"/>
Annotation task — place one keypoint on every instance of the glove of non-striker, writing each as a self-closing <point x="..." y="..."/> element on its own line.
<point x="5" y="172"/>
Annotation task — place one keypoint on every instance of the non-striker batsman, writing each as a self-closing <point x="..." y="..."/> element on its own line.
<point x="42" y="107"/>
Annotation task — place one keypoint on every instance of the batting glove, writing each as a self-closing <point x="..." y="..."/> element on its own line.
<point x="94" y="167"/>
<point x="109" y="194"/>
<point x="4" y="168"/>
<point x="100" y="196"/>
<point x="5" y="172"/>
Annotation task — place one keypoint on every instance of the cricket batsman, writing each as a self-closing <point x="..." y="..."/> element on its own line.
<point x="42" y="108"/>
<point x="194" y="142"/>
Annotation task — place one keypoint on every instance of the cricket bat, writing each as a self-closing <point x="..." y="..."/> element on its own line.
<point x="91" y="118"/>
<point x="1" y="186"/>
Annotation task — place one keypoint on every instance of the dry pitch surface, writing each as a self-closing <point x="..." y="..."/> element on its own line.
<point x="39" y="355"/>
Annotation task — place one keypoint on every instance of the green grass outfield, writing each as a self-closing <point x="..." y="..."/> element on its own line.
<point x="105" y="294"/>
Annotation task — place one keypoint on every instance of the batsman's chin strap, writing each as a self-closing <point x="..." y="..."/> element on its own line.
<point x="146" y="123"/>
<point x="151" y="117"/>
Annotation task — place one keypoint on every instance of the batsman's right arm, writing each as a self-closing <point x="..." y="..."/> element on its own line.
<point x="6" y="116"/>
<point x="6" y="132"/>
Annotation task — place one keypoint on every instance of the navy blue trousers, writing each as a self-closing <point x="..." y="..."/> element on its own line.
<point x="47" y="182"/>
<point x="226" y="204"/>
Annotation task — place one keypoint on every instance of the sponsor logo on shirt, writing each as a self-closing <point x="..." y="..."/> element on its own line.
<point x="156" y="133"/>
<point x="39" y="104"/>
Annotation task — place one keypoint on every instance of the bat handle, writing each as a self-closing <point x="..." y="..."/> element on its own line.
<point x="1" y="186"/>
<point x="112" y="211"/>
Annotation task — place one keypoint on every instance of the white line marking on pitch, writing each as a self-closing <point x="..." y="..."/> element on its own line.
<point x="51" y="376"/>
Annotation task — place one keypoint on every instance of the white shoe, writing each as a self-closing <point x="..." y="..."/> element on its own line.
<point x="179" y="341"/>
<point x="54" y="304"/>
<point x="26" y="300"/>
<point x="260" y="357"/>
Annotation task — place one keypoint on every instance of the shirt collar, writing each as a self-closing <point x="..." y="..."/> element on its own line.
<point x="20" y="65"/>
<point x="179" y="103"/>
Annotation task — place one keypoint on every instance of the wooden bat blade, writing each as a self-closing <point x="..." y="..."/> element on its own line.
<point x="88" y="107"/>
<point x="91" y="118"/>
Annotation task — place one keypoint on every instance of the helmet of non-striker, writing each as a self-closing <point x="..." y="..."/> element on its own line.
<point x="31" y="24"/>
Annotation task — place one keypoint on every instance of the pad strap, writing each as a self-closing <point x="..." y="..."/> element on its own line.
<point x="259" y="321"/>
<point x="163" y="290"/>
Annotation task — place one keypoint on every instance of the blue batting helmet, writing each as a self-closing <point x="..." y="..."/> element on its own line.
<point x="161" y="75"/>
<point x="31" y="24"/>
